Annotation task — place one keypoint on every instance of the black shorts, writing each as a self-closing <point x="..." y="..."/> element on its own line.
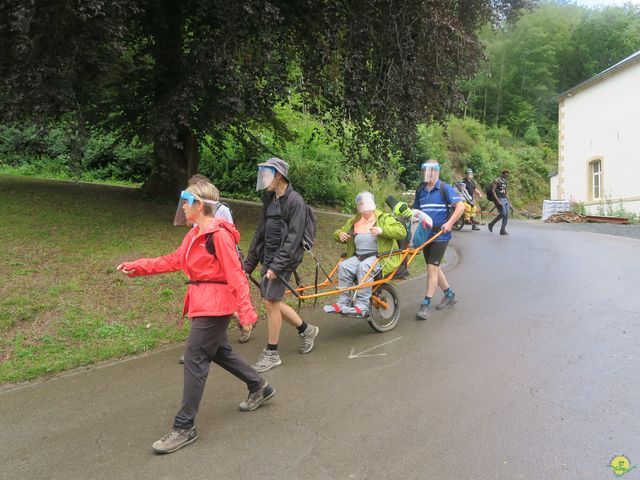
<point x="434" y="252"/>
<point x="273" y="289"/>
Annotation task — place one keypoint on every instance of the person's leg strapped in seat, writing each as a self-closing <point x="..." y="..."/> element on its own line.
<point x="346" y="276"/>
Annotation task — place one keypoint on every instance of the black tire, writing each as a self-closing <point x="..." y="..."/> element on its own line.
<point x="459" y="224"/>
<point x="381" y="319"/>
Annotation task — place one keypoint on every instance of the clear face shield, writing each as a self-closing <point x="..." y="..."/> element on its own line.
<point x="365" y="202"/>
<point x="266" y="175"/>
<point x="186" y="200"/>
<point x="430" y="172"/>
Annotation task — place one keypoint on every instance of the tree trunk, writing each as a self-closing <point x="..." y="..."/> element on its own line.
<point x="172" y="166"/>
<point x="175" y="158"/>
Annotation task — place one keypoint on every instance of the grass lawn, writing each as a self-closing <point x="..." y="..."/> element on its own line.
<point x="63" y="305"/>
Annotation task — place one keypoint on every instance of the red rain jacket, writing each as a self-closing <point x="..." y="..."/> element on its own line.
<point x="207" y="299"/>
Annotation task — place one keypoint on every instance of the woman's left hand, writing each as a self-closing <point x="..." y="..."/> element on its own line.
<point x="375" y="231"/>
<point x="271" y="275"/>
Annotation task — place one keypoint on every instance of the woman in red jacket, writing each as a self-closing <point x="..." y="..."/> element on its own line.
<point x="217" y="288"/>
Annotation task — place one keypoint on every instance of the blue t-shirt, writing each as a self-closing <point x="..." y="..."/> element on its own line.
<point x="432" y="203"/>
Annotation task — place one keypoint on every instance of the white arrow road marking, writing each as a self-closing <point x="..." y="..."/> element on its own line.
<point x="362" y="353"/>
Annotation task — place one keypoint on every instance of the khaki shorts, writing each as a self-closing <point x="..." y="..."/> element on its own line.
<point x="273" y="289"/>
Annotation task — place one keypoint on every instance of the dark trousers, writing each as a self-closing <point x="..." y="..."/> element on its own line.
<point x="208" y="343"/>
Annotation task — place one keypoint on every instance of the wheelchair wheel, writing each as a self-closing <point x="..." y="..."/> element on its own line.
<point x="459" y="224"/>
<point x="384" y="317"/>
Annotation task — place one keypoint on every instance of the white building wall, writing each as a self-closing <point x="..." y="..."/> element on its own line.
<point x="553" y="187"/>
<point x="602" y="121"/>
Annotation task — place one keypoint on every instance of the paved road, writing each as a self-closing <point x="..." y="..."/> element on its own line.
<point x="630" y="231"/>
<point x="532" y="375"/>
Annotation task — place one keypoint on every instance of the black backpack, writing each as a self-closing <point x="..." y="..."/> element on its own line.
<point x="211" y="248"/>
<point x="488" y="190"/>
<point x="309" y="235"/>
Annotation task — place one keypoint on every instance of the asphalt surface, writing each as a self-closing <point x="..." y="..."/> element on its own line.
<point x="531" y="375"/>
<point x="630" y="231"/>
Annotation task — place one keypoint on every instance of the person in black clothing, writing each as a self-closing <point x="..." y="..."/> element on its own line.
<point x="502" y="202"/>
<point x="277" y="246"/>
<point x="472" y="189"/>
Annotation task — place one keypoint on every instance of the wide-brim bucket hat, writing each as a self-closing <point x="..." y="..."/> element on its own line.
<point x="280" y="165"/>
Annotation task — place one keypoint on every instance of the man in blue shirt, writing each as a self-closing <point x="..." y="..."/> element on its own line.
<point x="443" y="204"/>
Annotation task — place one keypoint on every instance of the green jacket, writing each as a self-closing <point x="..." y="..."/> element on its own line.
<point x="392" y="230"/>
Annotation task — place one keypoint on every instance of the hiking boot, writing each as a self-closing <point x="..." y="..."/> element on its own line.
<point x="244" y="335"/>
<point x="181" y="359"/>
<point x="424" y="313"/>
<point x="475" y="227"/>
<point x="257" y="398"/>
<point x="504" y="233"/>
<point x="490" y="227"/>
<point x="175" y="439"/>
<point x="267" y="360"/>
<point x="355" y="312"/>
<point x="308" y="336"/>
<point x="447" y="301"/>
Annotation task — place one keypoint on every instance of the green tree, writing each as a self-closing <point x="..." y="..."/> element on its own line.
<point x="600" y="40"/>
<point x="173" y="73"/>
<point x="547" y="51"/>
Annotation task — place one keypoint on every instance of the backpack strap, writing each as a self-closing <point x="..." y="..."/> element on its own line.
<point x="444" y="192"/>
<point x="209" y="245"/>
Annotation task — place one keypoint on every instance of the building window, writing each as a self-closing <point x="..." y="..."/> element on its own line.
<point x="596" y="179"/>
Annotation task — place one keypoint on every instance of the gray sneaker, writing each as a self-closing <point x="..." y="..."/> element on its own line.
<point x="255" y="399"/>
<point x="244" y="335"/>
<point x="181" y="359"/>
<point x="308" y="336"/>
<point x="424" y="313"/>
<point x="447" y="302"/>
<point x="175" y="439"/>
<point x="267" y="360"/>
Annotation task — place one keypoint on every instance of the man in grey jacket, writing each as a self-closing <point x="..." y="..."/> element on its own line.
<point x="277" y="246"/>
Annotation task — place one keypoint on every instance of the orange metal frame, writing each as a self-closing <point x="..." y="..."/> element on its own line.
<point x="407" y="252"/>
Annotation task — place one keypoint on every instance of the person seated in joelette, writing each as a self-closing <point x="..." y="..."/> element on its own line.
<point x="370" y="232"/>
<point x="470" y="210"/>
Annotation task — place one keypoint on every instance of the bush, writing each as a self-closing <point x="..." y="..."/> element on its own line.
<point x="531" y="135"/>
<point x="381" y="187"/>
<point x="50" y="151"/>
<point x="459" y="140"/>
<point x="319" y="169"/>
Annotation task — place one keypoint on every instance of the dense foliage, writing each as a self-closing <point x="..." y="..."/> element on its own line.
<point x="317" y="163"/>
<point x="546" y="52"/>
<point x="348" y="92"/>
<point x="174" y="73"/>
